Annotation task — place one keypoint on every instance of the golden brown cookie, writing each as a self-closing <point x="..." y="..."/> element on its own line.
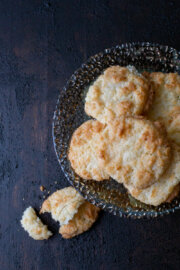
<point x="173" y="194"/>
<point x="82" y="154"/>
<point x="118" y="91"/>
<point x="165" y="188"/>
<point x="134" y="151"/>
<point x="63" y="204"/>
<point x="34" y="226"/>
<point x="69" y="208"/>
<point x="166" y="103"/>
<point x="81" y="222"/>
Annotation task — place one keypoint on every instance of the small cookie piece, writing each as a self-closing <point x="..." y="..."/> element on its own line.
<point x="82" y="154"/>
<point x="133" y="150"/>
<point x="166" y="103"/>
<point x="63" y="204"/>
<point x="163" y="190"/>
<point x="118" y="91"/>
<point x="81" y="222"/>
<point x="34" y="226"/>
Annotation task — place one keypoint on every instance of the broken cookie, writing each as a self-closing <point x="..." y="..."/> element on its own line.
<point x="81" y="222"/>
<point x="34" y="226"/>
<point x="69" y="208"/>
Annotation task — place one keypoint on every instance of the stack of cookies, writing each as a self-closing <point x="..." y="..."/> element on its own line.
<point x="135" y="138"/>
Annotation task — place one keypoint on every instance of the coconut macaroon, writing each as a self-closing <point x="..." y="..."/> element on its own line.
<point x="133" y="151"/>
<point x="81" y="151"/>
<point x="118" y="91"/>
<point x="69" y="208"/>
<point x="63" y="204"/>
<point x="166" y="103"/>
<point x="166" y="188"/>
<point x="81" y="222"/>
<point x="34" y="226"/>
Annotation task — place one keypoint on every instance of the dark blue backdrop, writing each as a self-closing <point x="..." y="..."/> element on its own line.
<point x="41" y="44"/>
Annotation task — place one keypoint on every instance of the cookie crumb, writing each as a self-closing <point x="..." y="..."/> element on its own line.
<point x="42" y="188"/>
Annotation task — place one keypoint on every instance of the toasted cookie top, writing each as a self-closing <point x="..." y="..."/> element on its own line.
<point x="81" y="222"/>
<point x="118" y="91"/>
<point x="174" y="193"/>
<point x="63" y="204"/>
<point x="160" y="191"/>
<point x="34" y="226"/>
<point x="133" y="150"/>
<point x="166" y="103"/>
<point x="81" y="151"/>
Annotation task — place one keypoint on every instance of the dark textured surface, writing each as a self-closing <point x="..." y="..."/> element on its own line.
<point x="42" y="43"/>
